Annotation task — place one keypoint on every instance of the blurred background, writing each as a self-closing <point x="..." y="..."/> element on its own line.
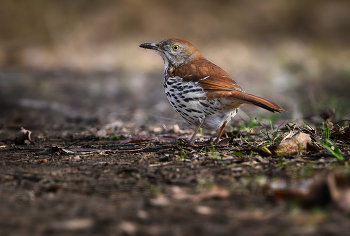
<point x="78" y="62"/>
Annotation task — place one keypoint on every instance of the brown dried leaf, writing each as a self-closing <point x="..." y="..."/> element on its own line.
<point x="328" y="115"/>
<point x="339" y="187"/>
<point x="23" y="137"/>
<point x="308" y="193"/>
<point x="345" y="135"/>
<point x="319" y="190"/>
<point x="290" y="146"/>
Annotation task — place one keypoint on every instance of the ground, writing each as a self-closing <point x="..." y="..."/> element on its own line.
<point x="80" y="175"/>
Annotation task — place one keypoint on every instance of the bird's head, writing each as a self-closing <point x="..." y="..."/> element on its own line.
<point x="175" y="52"/>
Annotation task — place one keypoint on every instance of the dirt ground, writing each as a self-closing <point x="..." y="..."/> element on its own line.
<point x="83" y="174"/>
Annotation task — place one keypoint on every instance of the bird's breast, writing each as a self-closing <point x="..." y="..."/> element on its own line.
<point x="189" y="100"/>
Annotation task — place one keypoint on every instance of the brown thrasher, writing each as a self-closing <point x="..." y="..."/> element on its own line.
<point x="200" y="91"/>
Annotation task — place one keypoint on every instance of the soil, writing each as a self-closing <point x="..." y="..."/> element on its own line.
<point x="79" y="176"/>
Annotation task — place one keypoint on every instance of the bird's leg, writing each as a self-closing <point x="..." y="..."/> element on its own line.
<point x="220" y="132"/>
<point x="195" y="132"/>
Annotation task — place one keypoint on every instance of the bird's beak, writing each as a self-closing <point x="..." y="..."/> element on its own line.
<point x="154" y="46"/>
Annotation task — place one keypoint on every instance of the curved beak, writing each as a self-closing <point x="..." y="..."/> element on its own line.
<point x="154" y="46"/>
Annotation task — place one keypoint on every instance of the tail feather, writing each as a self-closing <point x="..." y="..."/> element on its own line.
<point x="242" y="97"/>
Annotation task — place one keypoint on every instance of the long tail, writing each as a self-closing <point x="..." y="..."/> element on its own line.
<point x="260" y="102"/>
<point x="247" y="99"/>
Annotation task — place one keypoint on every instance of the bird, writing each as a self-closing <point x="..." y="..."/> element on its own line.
<point x="199" y="91"/>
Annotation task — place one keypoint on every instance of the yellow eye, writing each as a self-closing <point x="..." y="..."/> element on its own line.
<point x="176" y="47"/>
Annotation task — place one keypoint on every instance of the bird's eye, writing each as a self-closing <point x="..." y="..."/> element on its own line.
<point x="176" y="47"/>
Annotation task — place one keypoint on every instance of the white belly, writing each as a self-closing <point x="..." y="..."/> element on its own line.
<point x="189" y="100"/>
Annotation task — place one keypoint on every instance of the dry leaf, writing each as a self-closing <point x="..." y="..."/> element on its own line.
<point x="345" y="135"/>
<point x="319" y="190"/>
<point x="290" y="146"/>
<point x="339" y="187"/>
<point x="23" y="137"/>
<point x="328" y="115"/>
<point x="308" y="193"/>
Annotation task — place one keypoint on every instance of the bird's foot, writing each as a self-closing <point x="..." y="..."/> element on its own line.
<point x="192" y="144"/>
<point x="219" y="143"/>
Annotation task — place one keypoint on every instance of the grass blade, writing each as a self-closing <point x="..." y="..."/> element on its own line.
<point x="335" y="150"/>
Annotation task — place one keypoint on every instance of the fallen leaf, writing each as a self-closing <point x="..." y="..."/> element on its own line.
<point x="320" y="190"/>
<point x="308" y="193"/>
<point x="328" y="115"/>
<point x="23" y="137"/>
<point x="339" y="187"/>
<point x="294" y="145"/>
<point x="345" y="135"/>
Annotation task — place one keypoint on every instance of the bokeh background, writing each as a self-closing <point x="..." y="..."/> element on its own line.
<point x="79" y="61"/>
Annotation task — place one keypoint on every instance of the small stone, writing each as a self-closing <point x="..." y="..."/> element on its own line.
<point x="74" y="224"/>
<point x="142" y="214"/>
<point x="159" y="201"/>
<point x="176" y="129"/>
<point x="128" y="227"/>
<point x="155" y="129"/>
<point x="203" y="210"/>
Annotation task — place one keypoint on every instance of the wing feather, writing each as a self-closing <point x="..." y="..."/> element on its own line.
<point x="218" y="84"/>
